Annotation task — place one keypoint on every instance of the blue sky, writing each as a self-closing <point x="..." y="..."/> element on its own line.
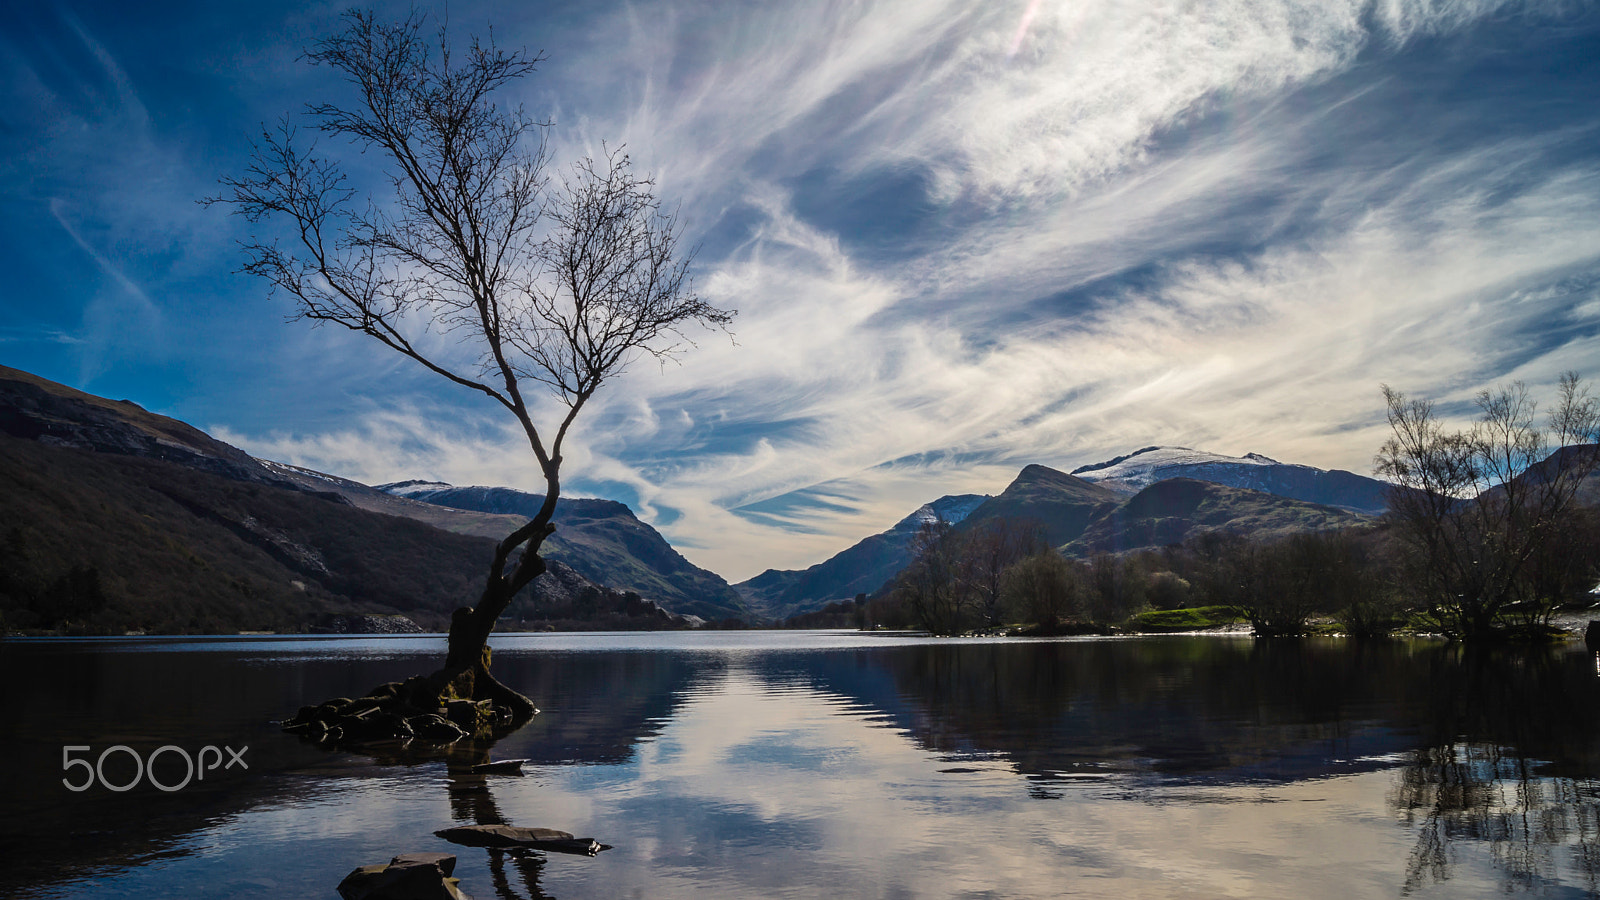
<point x="961" y="237"/>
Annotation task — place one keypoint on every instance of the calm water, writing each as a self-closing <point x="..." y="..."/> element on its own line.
<point x="826" y="764"/>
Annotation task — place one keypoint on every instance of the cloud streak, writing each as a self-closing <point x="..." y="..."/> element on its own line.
<point x="966" y="237"/>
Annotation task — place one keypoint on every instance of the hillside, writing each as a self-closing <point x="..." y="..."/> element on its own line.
<point x="37" y="409"/>
<point x="115" y="519"/>
<point x="1064" y="505"/>
<point x="105" y="543"/>
<point x="1169" y="511"/>
<point x="862" y="568"/>
<point x="601" y="539"/>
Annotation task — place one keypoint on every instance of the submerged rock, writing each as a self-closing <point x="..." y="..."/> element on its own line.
<point x="409" y="876"/>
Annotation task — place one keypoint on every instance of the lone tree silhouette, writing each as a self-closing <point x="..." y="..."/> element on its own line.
<point x="556" y="287"/>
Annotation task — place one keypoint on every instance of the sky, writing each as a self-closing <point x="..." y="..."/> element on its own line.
<point x="961" y="237"/>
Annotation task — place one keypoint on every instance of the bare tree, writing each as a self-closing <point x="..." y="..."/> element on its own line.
<point x="1045" y="589"/>
<point x="554" y="290"/>
<point x="992" y="547"/>
<point x="1476" y="506"/>
<point x="935" y="587"/>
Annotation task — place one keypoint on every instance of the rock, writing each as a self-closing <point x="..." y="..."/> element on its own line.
<point x="1591" y="636"/>
<point x="410" y="876"/>
<point x="385" y="691"/>
<point x="508" y="836"/>
<point x="435" y="727"/>
<point x="331" y="711"/>
<point x="473" y="717"/>
<point x="417" y="692"/>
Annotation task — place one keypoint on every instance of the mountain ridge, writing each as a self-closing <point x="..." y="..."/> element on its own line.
<point x="862" y="568"/>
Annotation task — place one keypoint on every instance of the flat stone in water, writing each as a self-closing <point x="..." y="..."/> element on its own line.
<point x="510" y="836"/>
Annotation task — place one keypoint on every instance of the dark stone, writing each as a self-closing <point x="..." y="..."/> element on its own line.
<point x="1591" y="636"/>
<point x="471" y="716"/>
<point x="506" y="836"/>
<point x="385" y="691"/>
<point x="434" y="727"/>
<point x="445" y="862"/>
<point x="410" y="876"/>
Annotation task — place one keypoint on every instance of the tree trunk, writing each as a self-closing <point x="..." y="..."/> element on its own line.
<point x="466" y="673"/>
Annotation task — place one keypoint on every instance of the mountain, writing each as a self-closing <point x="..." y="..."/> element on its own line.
<point x="1131" y="473"/>
<point x="861" y="569"/>
<point x="602" y="539"/>
<point x="1102" y="511"/>
<point x="115" y="519"/>
<point x="1171" y="510"/>
<point x="40" y="410"/>
<point x="108" y="542"/>
<point x="1063" y="504"/>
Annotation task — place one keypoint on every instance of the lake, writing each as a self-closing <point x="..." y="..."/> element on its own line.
<point x="824" y="764"/>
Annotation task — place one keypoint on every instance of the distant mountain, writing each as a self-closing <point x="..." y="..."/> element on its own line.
<point x="1063" y="504"/>
<point x="1171" y="510"/>
<point x="115" y="519"/>
<point x="1131" y="473"/>
<point x="861" y="569"/>
<point x="603" y="540"/>
<point x="1081" y="515"/>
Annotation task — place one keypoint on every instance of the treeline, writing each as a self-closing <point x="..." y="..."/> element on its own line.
<point x="1363" y="581"/>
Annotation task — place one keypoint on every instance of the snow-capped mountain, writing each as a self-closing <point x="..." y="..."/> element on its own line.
<point x="1137" y="470"/>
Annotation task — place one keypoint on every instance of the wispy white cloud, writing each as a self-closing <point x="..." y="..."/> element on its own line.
<point x="1111" y="224"/>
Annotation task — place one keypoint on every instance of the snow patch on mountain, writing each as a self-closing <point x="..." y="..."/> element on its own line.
<point x="1331" y="487"/>
<point x="1142" y="468"/>
<point x="951" y="509"/>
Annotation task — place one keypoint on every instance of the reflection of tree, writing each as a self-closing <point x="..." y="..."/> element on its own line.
<point x="471" y="799"/>
<point x="1480" y="792"/>
<point x="1510" y="763"/>
<point x="1181" y="706"/>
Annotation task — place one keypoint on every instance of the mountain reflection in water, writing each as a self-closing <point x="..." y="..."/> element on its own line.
<point x="838" y="764"/>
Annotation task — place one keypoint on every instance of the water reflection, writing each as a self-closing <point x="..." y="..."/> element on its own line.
<point x="1151" y="767"/>
<point x="1536" y="829"/>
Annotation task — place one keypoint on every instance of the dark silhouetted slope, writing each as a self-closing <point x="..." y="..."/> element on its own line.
<point x="862" y="568"/>
<point x="1064" y="505"/>
<point x="1169" y="511"/>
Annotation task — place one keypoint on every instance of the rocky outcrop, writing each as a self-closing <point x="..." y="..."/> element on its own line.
<point x="400" y="713"/>
<point x="410" y="876"/>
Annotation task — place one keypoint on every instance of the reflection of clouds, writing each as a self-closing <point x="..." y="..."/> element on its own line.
<point x="755" y="790"/>
<point x="764" y="786"/>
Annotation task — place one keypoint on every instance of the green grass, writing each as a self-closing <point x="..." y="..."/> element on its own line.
<point x="1183" y="619"/>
